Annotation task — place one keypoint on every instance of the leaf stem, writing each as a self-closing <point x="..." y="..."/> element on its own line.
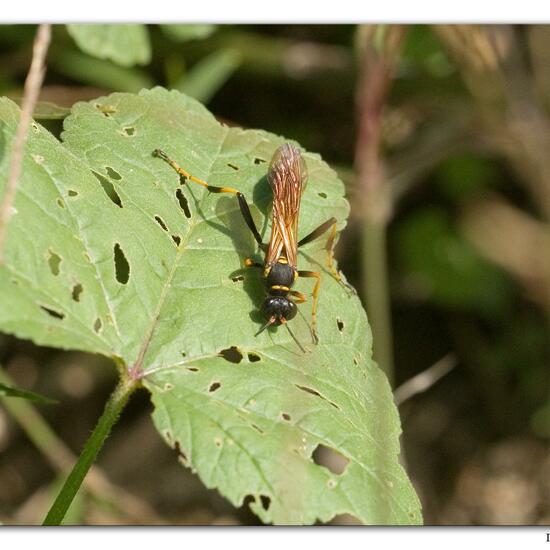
<point x="114" y="406"/>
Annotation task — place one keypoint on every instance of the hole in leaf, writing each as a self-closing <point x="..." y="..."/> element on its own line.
<point x="340" y="324"/>
<point x="254" y="357"/>
<point x="309" y="390"/>
<point x="237" y="278"/>
<point x="112" y="173"/>
<point x="182" y="457"/>
<point x="98" y="325"/>
<point x="317" y="394"/>
<point x="265" y="502"/>
<point x="109" y="189"/>
<point x="176" y="239"/>
<point x="232" y="354"/>
<point x="286" y="417"/>
<point x="344" y="519"/>
<point x="184" y="205"/>
<point x="258" y="429"/>
<point x="160" y="221"/>
<point x="60" y="203"/>
<point x="72" y="193"/>
<point x="355" y="361"/>
<point x="76" y="292"/>
<point x="258" y="160"/>
<point x="218" y="441"/>
<point x="129" y="131"/>
<point x="192" y="369"/>
<point x="54" y="261"/>
<point x="233" y="166"/>
<point x="52" y="312"/>
<point x="183" y="354"/>
<point x="322" y="195"/>
<point x="330" y="459"/>
<point x="214" y="386"/>
<point x="122" y="267"/>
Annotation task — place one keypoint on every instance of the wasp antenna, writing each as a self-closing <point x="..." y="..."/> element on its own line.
<point x="268" y="324"/>
<point x="304" y="350"/>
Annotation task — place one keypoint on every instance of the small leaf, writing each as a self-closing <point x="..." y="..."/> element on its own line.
<point x="163" y="289"/>
<point x="183" y="33"/>
<point x="126" y="45"/>
<point x="11" y="391"/>
<point x="209" y="75"/>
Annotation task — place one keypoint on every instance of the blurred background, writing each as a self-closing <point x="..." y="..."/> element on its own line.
<point x="442" y="137"/>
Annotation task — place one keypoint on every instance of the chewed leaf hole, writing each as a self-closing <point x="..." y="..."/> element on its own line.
<point x="258" y="160"/>
<point x="54" y="261"/>
<point x="129" y="130"/>
<point x="160" y="221"/>
<point x="258" y="429"/>
<point x="182" y="457"/>
<point x="233" y="166"/>
<point x="52" y="312"/>
<point x="286" y="417"/>
<point x="265" y="501"/>
<point x="184" y="205"/>
<point x="109" y="189"/>
<point x="98" y="325"/>
<point x="214" y="386"/>
<point x="355" y="361"/>
<point x="122" y="267"/>
<point x="322" y="195"/>
<point x="340" y="324"/>
<point x="72" y="193"/>
<point x="192" y="369"/>
<point x="176" y="239"/>
<point x="330" y="459"/>
<point x="317" y="394"/>
<point x="309" y="390"/>
<point x="60" y="203"/>
<point x="253" y="357"/>
<point x="232" y="354"/>
<point x="237" y="278"/>
<point x="76" y="292"/>
<point x="112" y="173"/>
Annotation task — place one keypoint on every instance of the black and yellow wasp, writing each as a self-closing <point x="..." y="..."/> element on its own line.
<point x="287" y="176"/>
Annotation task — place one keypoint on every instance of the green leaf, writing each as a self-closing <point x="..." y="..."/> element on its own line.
<point x="7" y="390"/>
<point x="126" y="45"/>
<point x="109" y="253"/>
<point x="98" y="72"/>
<point x="183" y="33"/>
<point x="209" y="75"/>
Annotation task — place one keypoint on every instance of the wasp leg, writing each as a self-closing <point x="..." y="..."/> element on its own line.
<point x="243" y="205"/>
<point x="299" y="298"/>
<point x="315" y="295"/>
<point x="249" y="262"/>
<point x="329" y="247"/>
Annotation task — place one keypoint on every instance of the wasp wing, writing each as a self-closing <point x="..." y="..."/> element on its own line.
<point x="287" y="177"/>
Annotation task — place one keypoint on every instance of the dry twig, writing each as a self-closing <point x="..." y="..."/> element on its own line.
<point x="33" y="84"/>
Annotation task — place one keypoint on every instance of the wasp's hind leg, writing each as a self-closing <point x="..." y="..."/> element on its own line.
<point x="329" y="246"/>
<point x="243" y="205"/>
<point x="315" y="295"/>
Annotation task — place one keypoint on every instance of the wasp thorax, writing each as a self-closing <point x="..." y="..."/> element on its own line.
<point x="279" y="308"/>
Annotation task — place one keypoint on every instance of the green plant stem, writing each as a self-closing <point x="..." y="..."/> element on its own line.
<point x="114" y="406"/>
<point x="376" y="290"/>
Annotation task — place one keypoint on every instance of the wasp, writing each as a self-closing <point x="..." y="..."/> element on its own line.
<point x="287" y="177"/>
